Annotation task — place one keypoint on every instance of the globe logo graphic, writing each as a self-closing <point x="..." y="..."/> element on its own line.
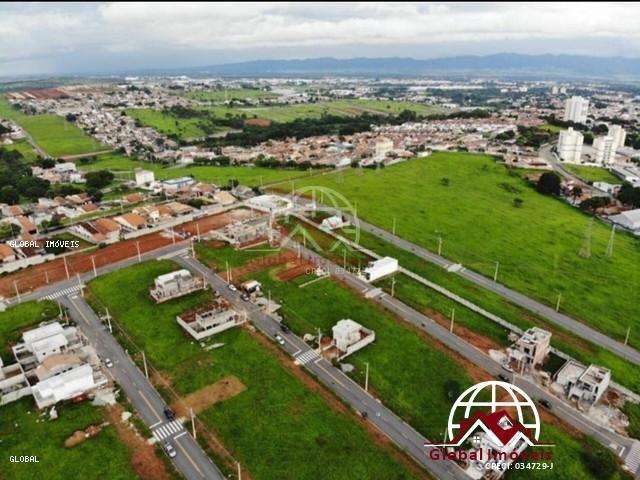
<point x="327" y="200"/>
<point x="494" y="395"/>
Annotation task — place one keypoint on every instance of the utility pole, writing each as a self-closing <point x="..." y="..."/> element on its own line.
<point x="138" y="249"/>
<point x="626" y="338"/>
<point x="319" y="342"/>
<point x="15" y="285"/>
<point x="193" y="252"/>
<point x="453" y="318"/>
<point x="495" y="275"/>
<point x="108" y="317"/>
<point x="66" y="268"/>
<point x="80" y="286"/>
<point x="144" y="361"/>
<point x="226" y="262"/>
<point x="46" y="276"/>
<point x="239" y="472"/>
<point x="393" y="286"/>
<point x="439" y="245"/>
<point x="366" y="377"/>
<point x="193" y="423"/>
<point x="558" y="302"/>
<point x="198" y="230"/>
<point x="93" y="262"/>
<point x="610" y="245"/>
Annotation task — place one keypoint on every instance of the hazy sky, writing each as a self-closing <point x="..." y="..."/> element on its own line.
<point x="43" y="38"/>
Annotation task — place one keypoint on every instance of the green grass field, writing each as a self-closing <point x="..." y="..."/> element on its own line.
<point x="229" y="94"/>
<point x="593" y="174"/>
<point x="24" y="433"/>
<point x="538" y="245"/>
<point x="250" y="176"/>
<point x="277" y="427"/>
<point x="185" y="128"/>
<point x="348" y="108"/>
<point x="52" y="133"/>
<point x="25" y="149"/>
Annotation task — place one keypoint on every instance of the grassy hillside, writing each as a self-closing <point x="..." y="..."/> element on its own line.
<point x="468" y="201"/>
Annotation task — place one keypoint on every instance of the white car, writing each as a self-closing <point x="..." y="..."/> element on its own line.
<point x="279" y="339"/>
<point x="108" y="363"/>
<point x="170" y="450"/>
<point x="232" y="287"/>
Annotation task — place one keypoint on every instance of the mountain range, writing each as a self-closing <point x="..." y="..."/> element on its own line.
<point x="502" y="64"/>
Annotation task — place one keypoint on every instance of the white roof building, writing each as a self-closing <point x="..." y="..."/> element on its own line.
<point x="604" y="150"/>
<point x="64" y="386"/>
<point x="144" y="177"/>
<point x="350" y="336"/>
<point x="629" y="220"/>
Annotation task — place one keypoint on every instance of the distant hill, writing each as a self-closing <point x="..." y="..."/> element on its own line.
<point x="499" y="64"/>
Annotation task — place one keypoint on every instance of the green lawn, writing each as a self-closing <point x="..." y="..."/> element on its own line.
<point x="250" y="176"/>
<point x="52" y="133"/>
<point x="23" y="433"/>
<point x="219" y="258"/>
<point x="349" y="108"/>
<point x="277" y="427"/>
<point x="593" y="174"/>
<point x="323" y="303"/>
<point x="229" y="94"/>
<point x="27" y="151"/>
<point x="537" y="245"/>
<point x="185" y="128"/>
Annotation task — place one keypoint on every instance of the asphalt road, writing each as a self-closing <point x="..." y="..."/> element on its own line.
<point x="402" y="434"/>
<point x="190" y="460"/>
<point x="577" y="328"/>
<point x="566" y="412"/>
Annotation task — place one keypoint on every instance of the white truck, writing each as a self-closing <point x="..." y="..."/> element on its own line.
<point x="380" y="268"/>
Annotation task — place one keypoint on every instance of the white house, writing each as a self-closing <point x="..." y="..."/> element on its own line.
<point x="64" y="386"/>
<point x="350" y="336"/>
<point x="144" y="177"/>
<point x="583" y="384"/>
<point x="175" y="284"/>
<point x="530" y="349"/>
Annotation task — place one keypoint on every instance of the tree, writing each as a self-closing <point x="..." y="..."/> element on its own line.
<point x="629" y="195"/>
<point x="99" y="179"/>
<point x="549" y="184"/>
<point x="9" y="195"/>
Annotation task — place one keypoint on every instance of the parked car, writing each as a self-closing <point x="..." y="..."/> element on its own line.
<point x="545" y="403"/>
<point x="108" y="363"/>
<point x="503" y="377"/>
<point x="170" y="414"/>
<point x="284" y="328"/>
<point x="170" y="450"/>
<point x="244" y="297"/>
<point x="232" y="287"/>
<point x="279" y="339"/>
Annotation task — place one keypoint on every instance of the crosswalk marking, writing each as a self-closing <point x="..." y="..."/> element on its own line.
<point x="62" y="293"/>
<point x="168" y="429"/>
<point x="307" y="357"/>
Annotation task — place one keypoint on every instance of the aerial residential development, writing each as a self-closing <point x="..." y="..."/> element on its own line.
<point x="319" y="241"/>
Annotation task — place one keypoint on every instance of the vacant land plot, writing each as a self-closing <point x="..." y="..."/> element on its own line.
<point x="28" y="153"/>
<point x="593" y="174"/>
<point x="23" y="432"/>
<point x="230" y="94"/>
<point x="468" y="201"/>
<point x="322" y="304"/>
<point x="183" y="128"/>
<point x="250" y="176"/>
<point x="52" y="133"/>
<point x="347" y="108"/>
<point x="276" y="427"/>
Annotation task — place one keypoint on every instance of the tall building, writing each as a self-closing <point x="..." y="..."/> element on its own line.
<point x="618" y="134"/>
<point x="604" y="150"/>
<point x="575" y="110"/>
<point x="570" y="145"/>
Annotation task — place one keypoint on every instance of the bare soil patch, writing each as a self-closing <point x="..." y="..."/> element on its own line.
<point x="202" y="399"/>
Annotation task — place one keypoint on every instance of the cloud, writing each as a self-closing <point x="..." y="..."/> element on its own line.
<point x="248" y="30"/>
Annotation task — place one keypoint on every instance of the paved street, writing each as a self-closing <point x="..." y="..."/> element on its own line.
<point x="578" y="328"/>
<point x="190" y="460"/>
<point x="384" y="419"/>
<point x="622" y="445"/>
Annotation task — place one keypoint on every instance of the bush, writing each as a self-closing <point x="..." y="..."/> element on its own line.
<point x="549" y="184"/>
